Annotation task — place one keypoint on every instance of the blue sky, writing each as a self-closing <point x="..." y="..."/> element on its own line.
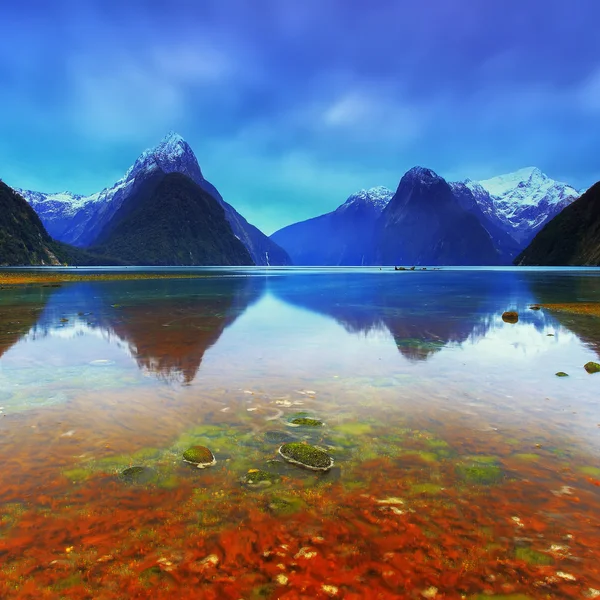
<point x="292" y="105"/>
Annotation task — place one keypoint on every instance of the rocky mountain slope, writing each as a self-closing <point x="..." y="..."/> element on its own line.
<point x="80" y="220"/>
<point x="425" y="224"/>
<point x="571" y="237"/>
<point x="170" y="220"/>
<point x="341" y="237"/>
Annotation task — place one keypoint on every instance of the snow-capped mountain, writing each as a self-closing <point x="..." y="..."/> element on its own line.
<point x="522" y="202"/>
<point x="80" y="220"/>
<point x="343" y="236"/>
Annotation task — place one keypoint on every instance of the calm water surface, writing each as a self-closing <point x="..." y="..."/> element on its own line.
<point x="463" y="466"/>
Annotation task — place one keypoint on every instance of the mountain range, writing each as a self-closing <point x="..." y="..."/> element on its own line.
<point x="164" y="212"/>
<point x="431" y="221"/>
<point x="81" y="220"/>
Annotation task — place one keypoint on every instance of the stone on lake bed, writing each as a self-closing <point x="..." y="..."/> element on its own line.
<point x="259" y="478"/>
<point x="510" y="316"/>
<point x="138" y="474"/>
<point x="306" y="422"/>
<point x="200" y="456"/>
<point x="535" y="307"/>
<point x="592" y="367"/>
<point x="306" y="456"/>
<point x="562" y="374"/>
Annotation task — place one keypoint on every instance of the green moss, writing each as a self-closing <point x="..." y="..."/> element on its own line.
<point x="591" y="471"/>
<point x="480" y="473"/>
<point x="592" y="367"/>
<point x="138" y="475"/>
<point x="278" y="437"/>
<point x="307" y="422"/>
<point x="562" y="374"/>
<point x="258" y="478"/>
<point x="169" y="483"/>
<point x="528" y="457"/>
<point x="533" y="557"/>
<point x="145" y="454"/>
<point x="199" y="455"/>
<point x="76" y="475"/>
<point x="353" y="429"/>
<point x="431" y="489"/>
<point x="68" y="582"/>
<point x="306" y="456"/>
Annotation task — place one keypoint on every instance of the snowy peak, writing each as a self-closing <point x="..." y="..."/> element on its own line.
<point x="421" y="174"/>
<point x="376" y="197"/>
<point x="172" y="154"/>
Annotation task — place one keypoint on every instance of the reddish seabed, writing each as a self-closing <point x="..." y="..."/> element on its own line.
<point x="208" y="537"/>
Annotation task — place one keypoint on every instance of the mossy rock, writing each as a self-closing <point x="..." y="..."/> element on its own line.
<point x="138" y="475"/>
<point x="562" y="374"/>
<point x="533" y="557"/>
<point x="592" y="367"/>
<point x="200" y="456"/>
<point x="278" y="437"/>
<point x="510" y="316"/>
<point x="535" y="307"/>
<point x="306" y="422"/>
<point x="481" y="473"/>
<point x="306" y="456"/>
<point x="256" y="478"/>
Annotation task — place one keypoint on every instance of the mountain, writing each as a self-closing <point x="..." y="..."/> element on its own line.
<point x="521" y="203"/>
<point x="425" y="224"/>
<point x="170" y="220"/>
<point x="80" y="220"/>
<point x="343" y="236"/>
<point x="571" y="237"/>
<point x="25" y="241"/>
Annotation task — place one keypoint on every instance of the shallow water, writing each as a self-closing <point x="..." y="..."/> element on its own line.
<point x="462" y="464"/>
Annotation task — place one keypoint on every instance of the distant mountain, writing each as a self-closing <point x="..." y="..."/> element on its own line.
<point x="341" y="237"/>
<point x="170" y="220"/>
<point x="25" y="241"/>
<point x="521" y="203"/>
<point x="80" y="220"/>
<point x="571" y="237"/>
<point x="425" y="224"/>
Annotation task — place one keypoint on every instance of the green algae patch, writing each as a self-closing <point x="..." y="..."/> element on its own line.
<point x="592" y="367"/>
<point x="353" y="429"/>
<point x="306" y="456"/>
<point x="145" y="454"/>
<point x="307" y="422"/>
<point x="561" y="374"/>
<point x="285" y="505"/>
<point x="528" y="457"/>
<point x="533" y="557"/>
<point x="257" y="478"/>
<point x="480" y="471"/>
<point x="429" y="489"/>
<point x="77" y="475"/>
<point x="591" y="471"/>
<point x="200" y="456"/>
<point x="278" y="437"/>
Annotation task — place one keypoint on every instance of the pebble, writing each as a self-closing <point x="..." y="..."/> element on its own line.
<point x="330" y="590"/>
<point x="211" y="559"/>
<point x="281" y="579"/>
<point x="566" y="576"/>
<point x="305" y="553"/>
<point x="430" y="592"/>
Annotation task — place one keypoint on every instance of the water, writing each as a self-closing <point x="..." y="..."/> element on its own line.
<point x="462" y="465"/>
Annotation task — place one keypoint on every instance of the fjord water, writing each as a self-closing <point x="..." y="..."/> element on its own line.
<point x="463" y="465"/>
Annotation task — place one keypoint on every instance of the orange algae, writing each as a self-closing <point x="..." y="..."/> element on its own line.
<point x="576" y="308"/>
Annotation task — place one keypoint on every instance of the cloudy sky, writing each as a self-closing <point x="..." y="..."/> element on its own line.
<point x="292" y="105"/>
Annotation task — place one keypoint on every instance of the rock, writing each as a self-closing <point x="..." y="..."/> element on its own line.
<point x="510" y="316"/>
<point x="306" y="456"/>
<point x="307" y="422"/>
<point x="562" y="374"/>
<point x="200" y="456"/>
<point x="535" y="307"/>
<point x="258" y="478"/>
<point x="285" y="506"/>
<point x="138" y="475"/>
<point x="592" y="367"/>
<point x="481" y="471"/>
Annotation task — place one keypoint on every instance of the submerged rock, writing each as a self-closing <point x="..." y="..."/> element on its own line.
<point x="138" y="475"/>
<point x="258" y="478"/>
<point x="510" y="316"/>
<point x="285" y="505"/>
<point x="306" y="456"/>
<point x="535" y="307"/>
<point x="200" y="456"/>
<point x="278" y="437"/>
<point x="481" y="470"/>
<point x="592" y="367"/>
<point x="306" y="422"/>
<point x="562" y="374"/>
